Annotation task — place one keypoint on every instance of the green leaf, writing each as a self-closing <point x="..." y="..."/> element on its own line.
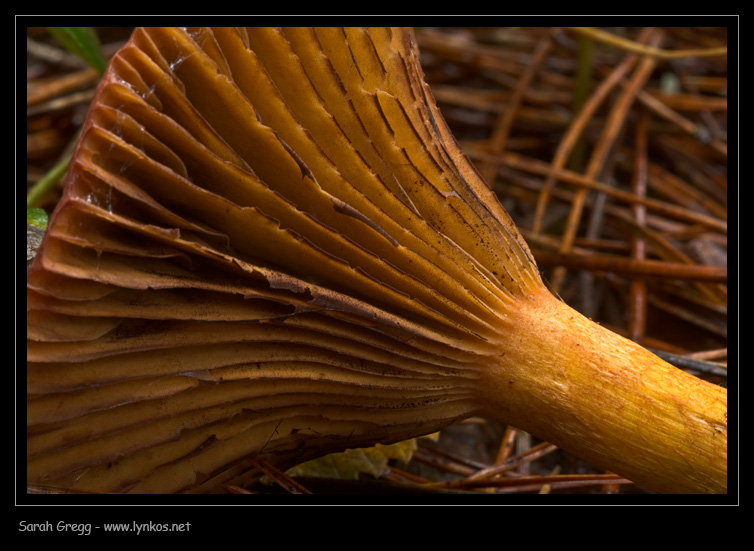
<point x="83" y="42"/>
<point x="36" y="217"/>
<point x="349" y="464"/>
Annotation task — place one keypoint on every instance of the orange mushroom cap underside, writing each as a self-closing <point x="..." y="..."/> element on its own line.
<point x="269" y="244"/>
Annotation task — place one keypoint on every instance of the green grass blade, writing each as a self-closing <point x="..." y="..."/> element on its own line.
<point x="83" y="42"/>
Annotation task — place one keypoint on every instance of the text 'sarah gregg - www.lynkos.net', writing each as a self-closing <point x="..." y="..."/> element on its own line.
<point x="86" y="528"/>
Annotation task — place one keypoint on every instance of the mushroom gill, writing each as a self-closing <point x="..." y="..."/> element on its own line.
<point x="270" y="246"/>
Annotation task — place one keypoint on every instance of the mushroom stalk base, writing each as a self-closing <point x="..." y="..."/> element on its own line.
<point x="609" y="401"/>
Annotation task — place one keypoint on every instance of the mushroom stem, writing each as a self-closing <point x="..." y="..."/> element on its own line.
<point x="609" y="401"/>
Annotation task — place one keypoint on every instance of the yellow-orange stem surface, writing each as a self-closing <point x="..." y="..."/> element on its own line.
<point x="605" y="399"/>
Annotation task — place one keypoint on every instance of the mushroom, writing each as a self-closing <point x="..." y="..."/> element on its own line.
<point x="270" y="246"/>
